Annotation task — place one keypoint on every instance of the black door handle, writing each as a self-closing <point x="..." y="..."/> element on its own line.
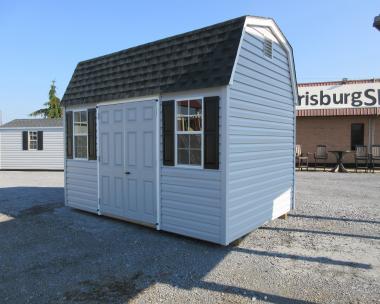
<point x="127" y="172"/>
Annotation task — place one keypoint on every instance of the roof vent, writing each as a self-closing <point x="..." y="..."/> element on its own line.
<point x="267" y="48"/>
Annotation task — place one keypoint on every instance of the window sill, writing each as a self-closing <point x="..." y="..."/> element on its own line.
<point x="188" y="167"/>
<point x="80" y="159"/>
<point x="184" y="167"/>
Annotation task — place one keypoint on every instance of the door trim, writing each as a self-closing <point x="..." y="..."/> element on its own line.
<point x="128" y="100"/>
<point x="129" y="220"/>
<point x="98" y="156"/>
<point x="158" y="164"/>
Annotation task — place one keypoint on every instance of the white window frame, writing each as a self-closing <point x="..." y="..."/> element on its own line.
<point x="74" y="157"/>
<point x="176" y="132"/>
<point x="29" y="141"/>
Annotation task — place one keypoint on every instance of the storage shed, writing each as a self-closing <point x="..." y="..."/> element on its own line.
<point x="32" y="144"/>
<point x="192" y="134"/>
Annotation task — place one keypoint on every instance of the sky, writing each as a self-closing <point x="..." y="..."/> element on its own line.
<point x="41" y="41"/>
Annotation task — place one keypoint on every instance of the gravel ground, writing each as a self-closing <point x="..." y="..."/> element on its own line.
<point x="326" y="252"/>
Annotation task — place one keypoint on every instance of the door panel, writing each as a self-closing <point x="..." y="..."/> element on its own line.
<point x="111" y="159"/>
<point x="119" y="148"/>
<point x="105" y="190"/>
<point x="132" y="196"/>
<point x="119" y="192"/>
<point x="148" y="144"/>
<point x="128" y="161"/>
<point x="141" y="160"/>
<point x="148" y="197"/>
<point x="104" y="139"/>
<point x="131" y="148"/>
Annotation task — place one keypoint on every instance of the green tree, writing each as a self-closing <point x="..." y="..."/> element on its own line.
<point x="52" y="107"/>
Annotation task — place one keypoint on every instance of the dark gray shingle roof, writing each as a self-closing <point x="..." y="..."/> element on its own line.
<point x="198" y="59"/>
<point x="33" y="123"/>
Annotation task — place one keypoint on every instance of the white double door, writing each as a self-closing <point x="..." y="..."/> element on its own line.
<point x="128" y="160"/>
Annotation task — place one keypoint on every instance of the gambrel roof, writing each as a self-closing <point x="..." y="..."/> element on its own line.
<point x="198" y="59"/>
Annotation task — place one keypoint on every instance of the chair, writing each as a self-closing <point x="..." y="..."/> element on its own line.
<point x="320" y="157"/>
<point x="361" y="155"/>
<point x="375" y="156"/>
<point x="303" y="161"/>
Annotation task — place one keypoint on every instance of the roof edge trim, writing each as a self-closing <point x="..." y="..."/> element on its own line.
<point x="276" y="31"/>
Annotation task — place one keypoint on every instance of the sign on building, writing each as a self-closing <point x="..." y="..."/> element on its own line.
<point x="335" y="96"/>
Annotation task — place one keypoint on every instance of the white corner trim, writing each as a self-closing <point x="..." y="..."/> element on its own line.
<point x="226" y="161"/>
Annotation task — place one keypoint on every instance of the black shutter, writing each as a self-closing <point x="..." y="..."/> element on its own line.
<point x="25" y="140"/>
<point x="40" y="140"/>
<point x="211" y="132"/>
<point x="168" y="132"/>
<point x="69" y="134"/>
<point x="92" y="134"/>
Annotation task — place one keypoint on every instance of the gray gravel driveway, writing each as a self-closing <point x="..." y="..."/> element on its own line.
<point x="327" y="251"/>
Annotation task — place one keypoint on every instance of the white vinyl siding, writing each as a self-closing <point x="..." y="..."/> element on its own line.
<point x="81" y="184"/>
<point x="261" y="136"/>
<point x="13" y="157"/>
<point x="192" y="200"/>
<point x="81" y="176"/>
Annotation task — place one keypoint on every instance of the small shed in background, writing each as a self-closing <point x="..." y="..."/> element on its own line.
<point x="193" y="134"/>
<point x="32" y="144"/>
